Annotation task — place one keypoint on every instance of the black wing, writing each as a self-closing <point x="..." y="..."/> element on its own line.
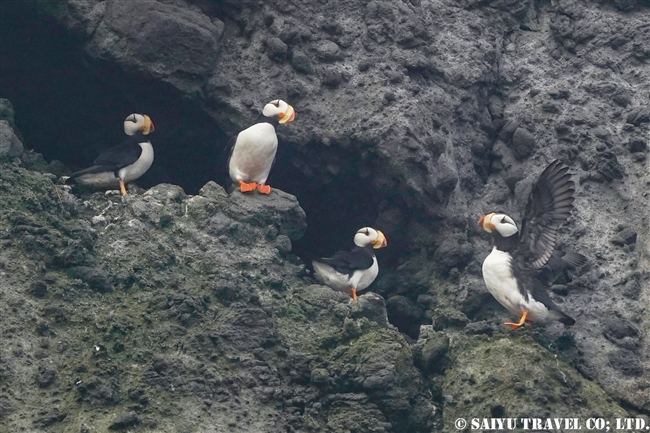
<point x="116" y="157"/>
<point x="549" y="206"/>
<point x="346" y="262"/>
<point x="559" y="262"/>
<point x="528" y="282"/>
<point x="123" y="154"/>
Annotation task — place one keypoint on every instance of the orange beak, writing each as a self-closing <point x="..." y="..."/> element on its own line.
<point x="380" y="242"/>
<point x="485" y="223"/>
<point x="147" y="127"/>
<point x="289" y="116"/>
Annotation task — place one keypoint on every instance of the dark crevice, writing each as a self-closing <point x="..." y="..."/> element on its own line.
<point x="70" y="107"/>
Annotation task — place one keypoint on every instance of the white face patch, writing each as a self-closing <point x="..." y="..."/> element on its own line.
<point x="133" y="123"/>
<point x="365" y="236"/>
<point x="504" y="225"/>
<point x="273" y="108"/>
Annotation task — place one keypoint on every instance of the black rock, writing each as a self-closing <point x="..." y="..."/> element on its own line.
<point x="276" y="49"/>
<point x="523" y="143"/>
<point x="127" y="419"/>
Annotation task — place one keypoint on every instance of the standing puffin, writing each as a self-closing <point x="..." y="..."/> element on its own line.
<point x="349" y="271"/>
<point x="253" y="153"/>
<point x="123" y="163"/>
<point x="512" y="270"/>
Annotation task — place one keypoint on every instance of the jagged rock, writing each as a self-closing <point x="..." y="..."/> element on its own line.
<point x="430" y="350"/>
<point x="10" y="145"/>
<point x="176" y="42"/>
<point x="412" y="118"/>
<point x="127" y="419"/>
<point x="523" y="142"/>
<point x="482" y="379"/>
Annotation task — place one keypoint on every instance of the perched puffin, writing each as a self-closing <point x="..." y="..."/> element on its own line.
<point x="349" y="271"/>
<point x="253" y="153"/>
<point x="513" y="269"/>
<point x="123" y="163"/>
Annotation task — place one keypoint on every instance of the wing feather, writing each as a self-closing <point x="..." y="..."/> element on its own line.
<point x="346" y="262"/>
<point x="549" y="206"/>
<point x="116" y="157"/>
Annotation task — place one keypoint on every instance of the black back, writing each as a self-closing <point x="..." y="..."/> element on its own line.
<point x="347" y="262"/>
<point x="117" y="157"/>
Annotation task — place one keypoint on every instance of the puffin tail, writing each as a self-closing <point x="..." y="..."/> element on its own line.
<point x="567" y="320"/>
<point x="319" y="271"/>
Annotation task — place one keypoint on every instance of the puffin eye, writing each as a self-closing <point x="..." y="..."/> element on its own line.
<point x="276" y="103"/>
<point x="503" y="220"/>
<point x="134" y="120"/>
<point x="367" y="232"/>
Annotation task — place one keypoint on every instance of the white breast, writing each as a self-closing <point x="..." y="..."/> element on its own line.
<point x="364" y="278"/>
<point x="499" y="280"/>
<point x="497" y="274"/>
<point x="140" y="167"/>
<point x="253" y="154"/>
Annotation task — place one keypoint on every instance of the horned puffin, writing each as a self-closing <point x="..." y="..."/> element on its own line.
<point x="513" y="269"/>
<point x="349" y="271"/>
<point x="253" y="153"/>
<point x="123" y="163"/>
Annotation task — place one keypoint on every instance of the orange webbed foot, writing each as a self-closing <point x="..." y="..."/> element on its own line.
<point x="264" y="189"/>
<point x="520" y="323"/>
<point x="247" y="187"/>
<point x="353" y="293"/>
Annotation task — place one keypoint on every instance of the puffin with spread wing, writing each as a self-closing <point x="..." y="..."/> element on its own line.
<point x="513" y="269"/>
<point x="124" y="163"/>
<point x="349" y="271"/>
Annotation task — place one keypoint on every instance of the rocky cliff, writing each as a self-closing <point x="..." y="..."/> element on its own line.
<point x="184" y="312"/>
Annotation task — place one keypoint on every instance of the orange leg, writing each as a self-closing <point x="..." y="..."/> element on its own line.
<point x="521" y="321"/>
<point x="122" y="187"/>
<point x="264" y="189"/>
<point x="246" y="187"/>
<point x="353" y="293"/>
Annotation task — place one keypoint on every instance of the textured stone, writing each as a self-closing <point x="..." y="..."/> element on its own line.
<point x="523" y="143"/>
<point x="10" y="145"/>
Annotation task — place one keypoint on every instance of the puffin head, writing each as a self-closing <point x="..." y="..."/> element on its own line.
<point x="502" y="223"/>
<point x="369" y="236"/>
<point x="280" y="110"/>
<point x="138" y="122"/>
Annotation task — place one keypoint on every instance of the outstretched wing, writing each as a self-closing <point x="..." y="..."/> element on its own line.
<point x="549" y="206"/>
<point x="346" y="262"/>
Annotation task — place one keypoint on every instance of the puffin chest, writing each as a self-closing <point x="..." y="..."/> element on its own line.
<point x="255" y="148"/>
<point x="497" y="273"/>
<point x="363" y="278"/>
<point x="138" y="168"/>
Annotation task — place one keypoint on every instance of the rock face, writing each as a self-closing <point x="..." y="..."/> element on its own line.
<point x="181" y="313"/>
<point x="416" y="117"/>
